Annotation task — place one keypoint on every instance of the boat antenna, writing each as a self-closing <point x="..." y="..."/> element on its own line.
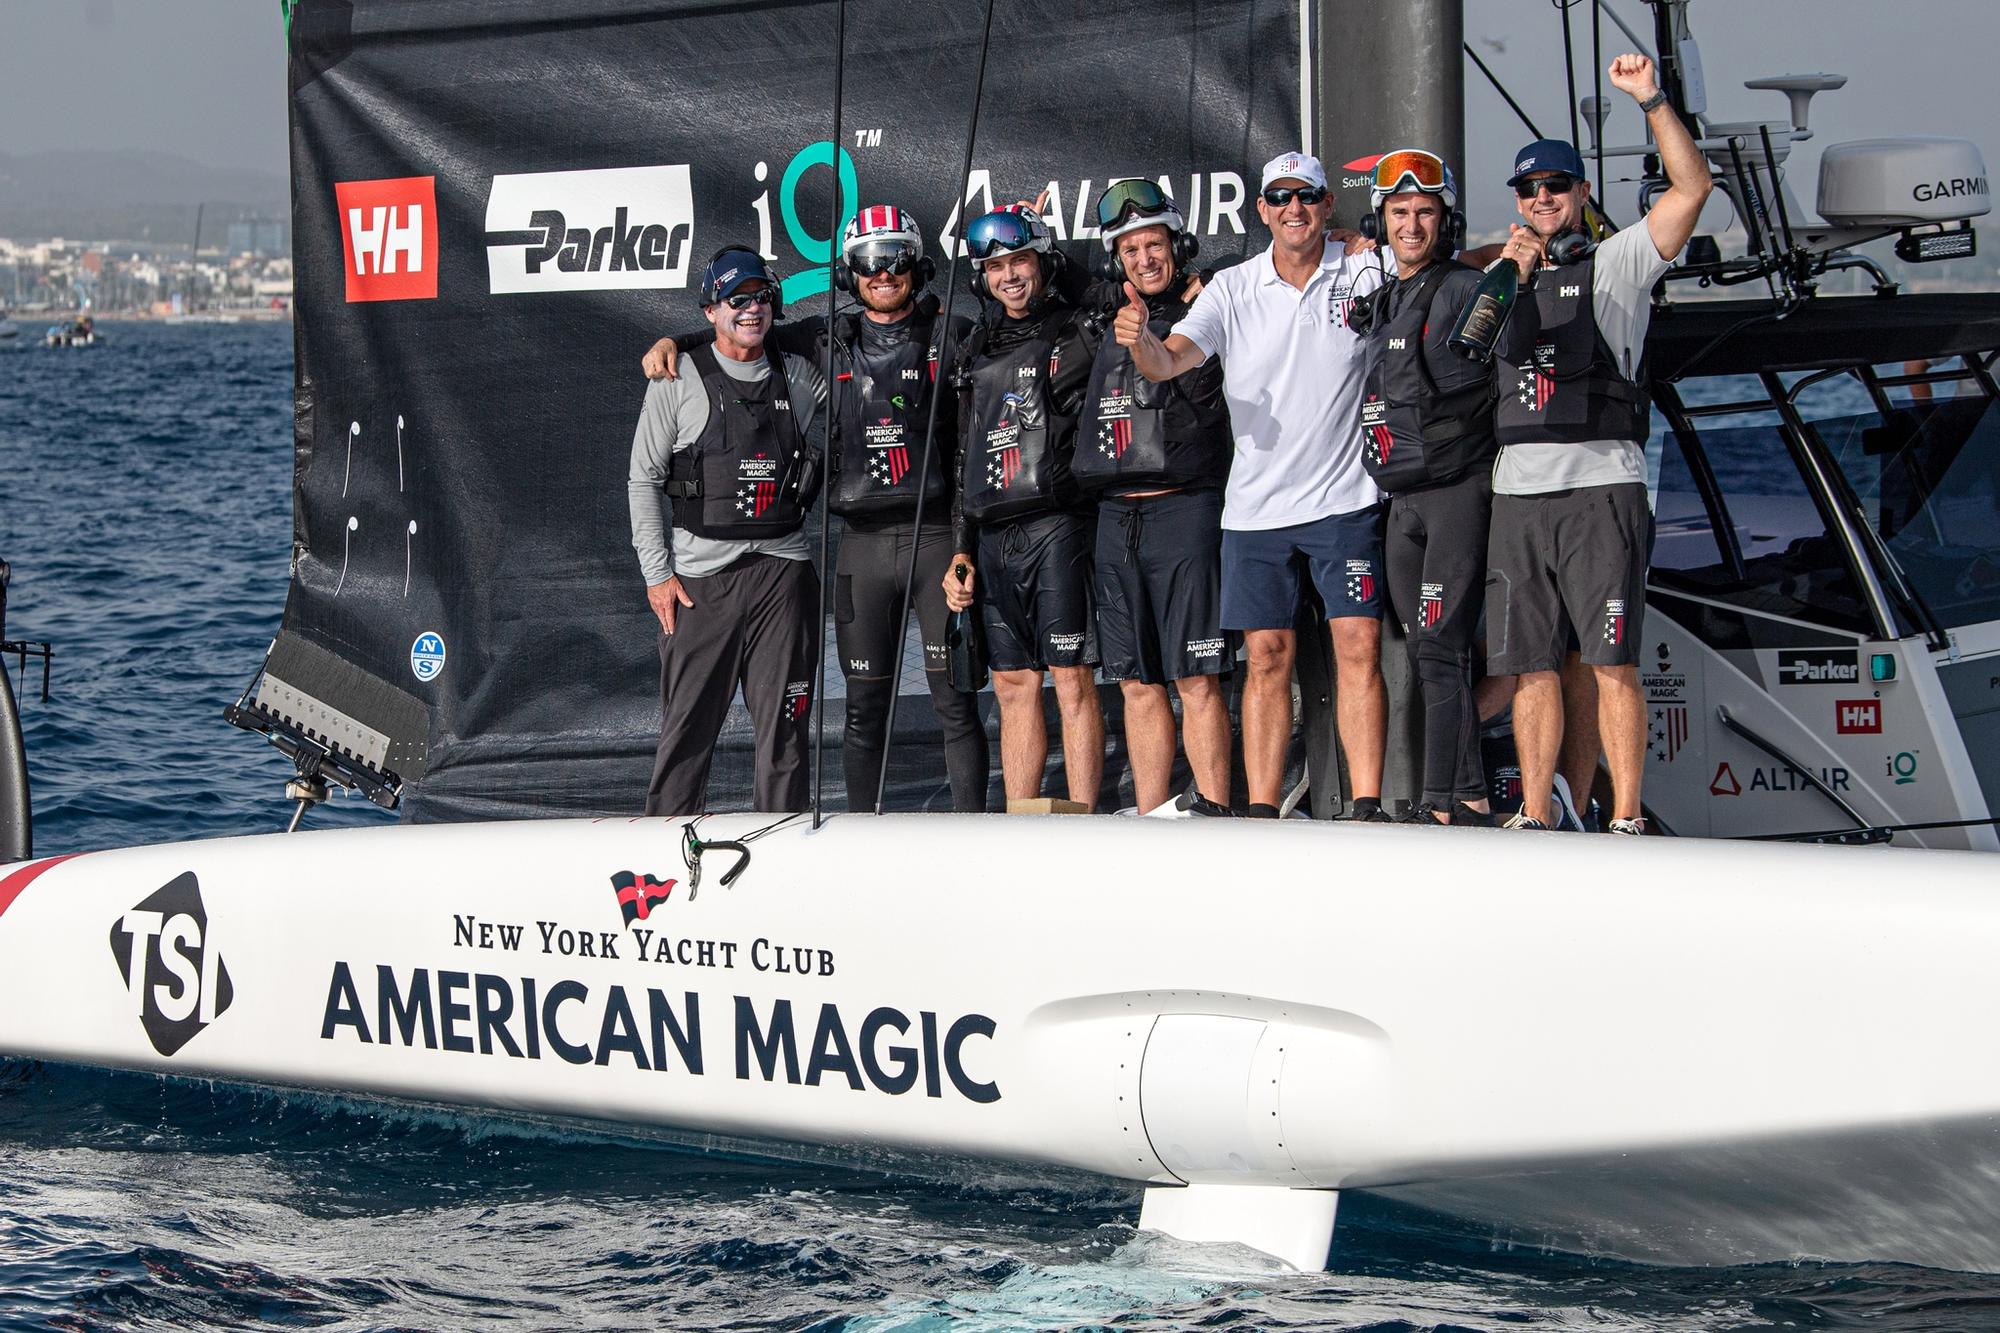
<point x="937" y="389"/>
<point x="826" y="412"/>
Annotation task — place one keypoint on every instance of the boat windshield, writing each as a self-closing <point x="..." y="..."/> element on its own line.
<point x="1929" y="481"/>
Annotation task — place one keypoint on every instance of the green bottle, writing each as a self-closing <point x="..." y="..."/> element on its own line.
<point x="1485" y="315"/>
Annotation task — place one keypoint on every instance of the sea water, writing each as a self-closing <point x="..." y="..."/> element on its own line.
<point x="145" y="506"/>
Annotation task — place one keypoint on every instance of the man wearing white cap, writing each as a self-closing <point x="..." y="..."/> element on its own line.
<point x="1298" y="494"/>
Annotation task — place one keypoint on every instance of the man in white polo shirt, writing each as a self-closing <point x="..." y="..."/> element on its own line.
<point x="1298" y="495"/>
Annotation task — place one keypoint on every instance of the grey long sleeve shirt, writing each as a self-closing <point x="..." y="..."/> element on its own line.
<point x="673" y="418"/>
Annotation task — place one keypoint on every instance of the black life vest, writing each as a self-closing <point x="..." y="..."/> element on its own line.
<point x="883" y="388"/>
<point x="1135" y="433"/>
<point x="1015" y="459"/>
<point x="1412" y="433"/>
<point x="747" y="476"/>
<point x="1570" y="391"/>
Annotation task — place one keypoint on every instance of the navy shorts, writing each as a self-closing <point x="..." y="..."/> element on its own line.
<point x="1260" y="570"/>
<point x="1566" y="568"/>
<point x="1034" y="592"/>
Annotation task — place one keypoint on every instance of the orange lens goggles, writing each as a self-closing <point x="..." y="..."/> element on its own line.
<point x="1425" y="170"/>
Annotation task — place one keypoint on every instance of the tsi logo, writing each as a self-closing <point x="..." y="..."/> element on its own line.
<point x="389" y="233"/>
<point x="578" y="231"/>
<point x="173" y="973"/>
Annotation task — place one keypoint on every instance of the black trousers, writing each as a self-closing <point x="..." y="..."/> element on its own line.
<point x="1435" y="553"/>
<point x="753" y="625"/>
<point x="871" y="577"/>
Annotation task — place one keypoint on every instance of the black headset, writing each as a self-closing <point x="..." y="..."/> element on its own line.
<point x="1451" y="233"/>
<point x="709" y="296"/>
<point x="1052" y="262"/>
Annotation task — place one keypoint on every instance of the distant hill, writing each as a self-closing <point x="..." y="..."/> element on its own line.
<point x="129" y="195"/>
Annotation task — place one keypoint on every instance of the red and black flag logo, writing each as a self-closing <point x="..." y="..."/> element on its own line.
<point x="1430" y="605"/>
<point x="638" y="895"/>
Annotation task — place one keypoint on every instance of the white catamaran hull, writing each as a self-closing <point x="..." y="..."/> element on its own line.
<point x="1684" y="1051"/>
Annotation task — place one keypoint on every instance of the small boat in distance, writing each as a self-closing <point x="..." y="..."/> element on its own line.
<point x="79" y="332"/>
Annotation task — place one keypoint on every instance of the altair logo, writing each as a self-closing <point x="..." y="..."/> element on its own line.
<point x="173" y="972"/>
<point x="575" y="231"/>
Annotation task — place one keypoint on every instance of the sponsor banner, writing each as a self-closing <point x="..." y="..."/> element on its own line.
<point x="1857" y="717"/>
<point x="482" y="261"/>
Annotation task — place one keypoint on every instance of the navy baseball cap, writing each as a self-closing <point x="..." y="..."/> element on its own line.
<point x="1547" y="155"/>
<point x="730" y="269"/>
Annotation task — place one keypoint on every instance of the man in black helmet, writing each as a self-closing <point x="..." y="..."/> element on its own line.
<point x="1023" y="376"/>
<point x="1158" y="456"/>
<point x="733" y="589"/>
<point x="886" y="364"/>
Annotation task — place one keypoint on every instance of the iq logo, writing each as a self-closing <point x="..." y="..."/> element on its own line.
<point x="165" y="950"/>
<point x="1902" y="766"/>
<point x="427" y="656"/>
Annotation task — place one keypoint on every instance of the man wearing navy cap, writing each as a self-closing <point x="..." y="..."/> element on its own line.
<point x="1571" y="523"/>
<point x="734" y="591"/>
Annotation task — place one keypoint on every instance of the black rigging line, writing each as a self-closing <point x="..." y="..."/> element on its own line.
<point x="1569" y="72"/>
<point x="1597" y="79"/>
<point x="1505" y="96"/>
<point x="938" y="388"/>
<point x="826" y="417"/>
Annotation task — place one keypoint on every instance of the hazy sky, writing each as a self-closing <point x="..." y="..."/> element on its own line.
<point x="205" y="78"/>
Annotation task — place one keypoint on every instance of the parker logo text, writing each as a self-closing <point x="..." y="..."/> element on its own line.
<point x="571" y="231"/>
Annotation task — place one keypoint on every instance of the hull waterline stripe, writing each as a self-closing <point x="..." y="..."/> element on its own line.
<point x="11" y="886"/>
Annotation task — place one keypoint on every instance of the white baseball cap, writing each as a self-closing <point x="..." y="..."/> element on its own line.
<point x="1300" y="166"/>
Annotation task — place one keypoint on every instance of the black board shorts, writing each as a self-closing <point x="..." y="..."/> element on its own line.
<point x="1159" y="588"/>
<point x="1562" y="559"/>
<point x="1034" y="591"/>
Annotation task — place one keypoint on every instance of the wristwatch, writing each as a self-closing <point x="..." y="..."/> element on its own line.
<point x="1653" y="103"/>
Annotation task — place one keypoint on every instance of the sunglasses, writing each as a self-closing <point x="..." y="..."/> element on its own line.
<point x="995" y="232"/>
<point x="1125" y="198"/>
<point x="744" y="300"/>
<point x="1424" y="170"/>
<point x="897" y="260"/>
<point x="1557" y="186"/>
<point x="1278" y="196"/>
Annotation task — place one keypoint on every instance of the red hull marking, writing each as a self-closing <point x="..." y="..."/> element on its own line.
<point x="11" y="886"/>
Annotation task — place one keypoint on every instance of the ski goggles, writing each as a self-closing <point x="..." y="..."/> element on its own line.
<point x="896" y="257"/>
<point x="1280" y="196"/>
<point x="993" y="233"/>
<point x="1125" y="198"/>
<point x="744" y="300"/>
<point x="1424" y="171"/>
<point x="1557" y="186"/>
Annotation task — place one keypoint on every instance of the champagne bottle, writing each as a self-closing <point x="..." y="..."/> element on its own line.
<point x="965" y="645"/>
<point x="1485" y="315"/>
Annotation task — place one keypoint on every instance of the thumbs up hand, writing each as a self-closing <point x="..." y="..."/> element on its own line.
<point x="1132" y="316"/>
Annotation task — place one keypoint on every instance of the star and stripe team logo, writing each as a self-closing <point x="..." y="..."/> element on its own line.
<point x="1537" y="385"/>
<point x="1669" y="731"/>
<point x="1430" y="604"/>
<point x="1114" y="437"/>
<point x="1374" y="424"/>
<point x="759" y="490"/>
<point x="1003" y="448"/>
<point x="639" y="894"/>
<point x="798" y="699"/>
<point x="889" y="464"/>
<point x="880" y="217"/>
<point x="1614" y="620"/>
<point x="1361" y="580"/>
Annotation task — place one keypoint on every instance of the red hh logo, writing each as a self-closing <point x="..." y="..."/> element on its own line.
<point x="1858" y="717"/>
<point x="390" y="238"/>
